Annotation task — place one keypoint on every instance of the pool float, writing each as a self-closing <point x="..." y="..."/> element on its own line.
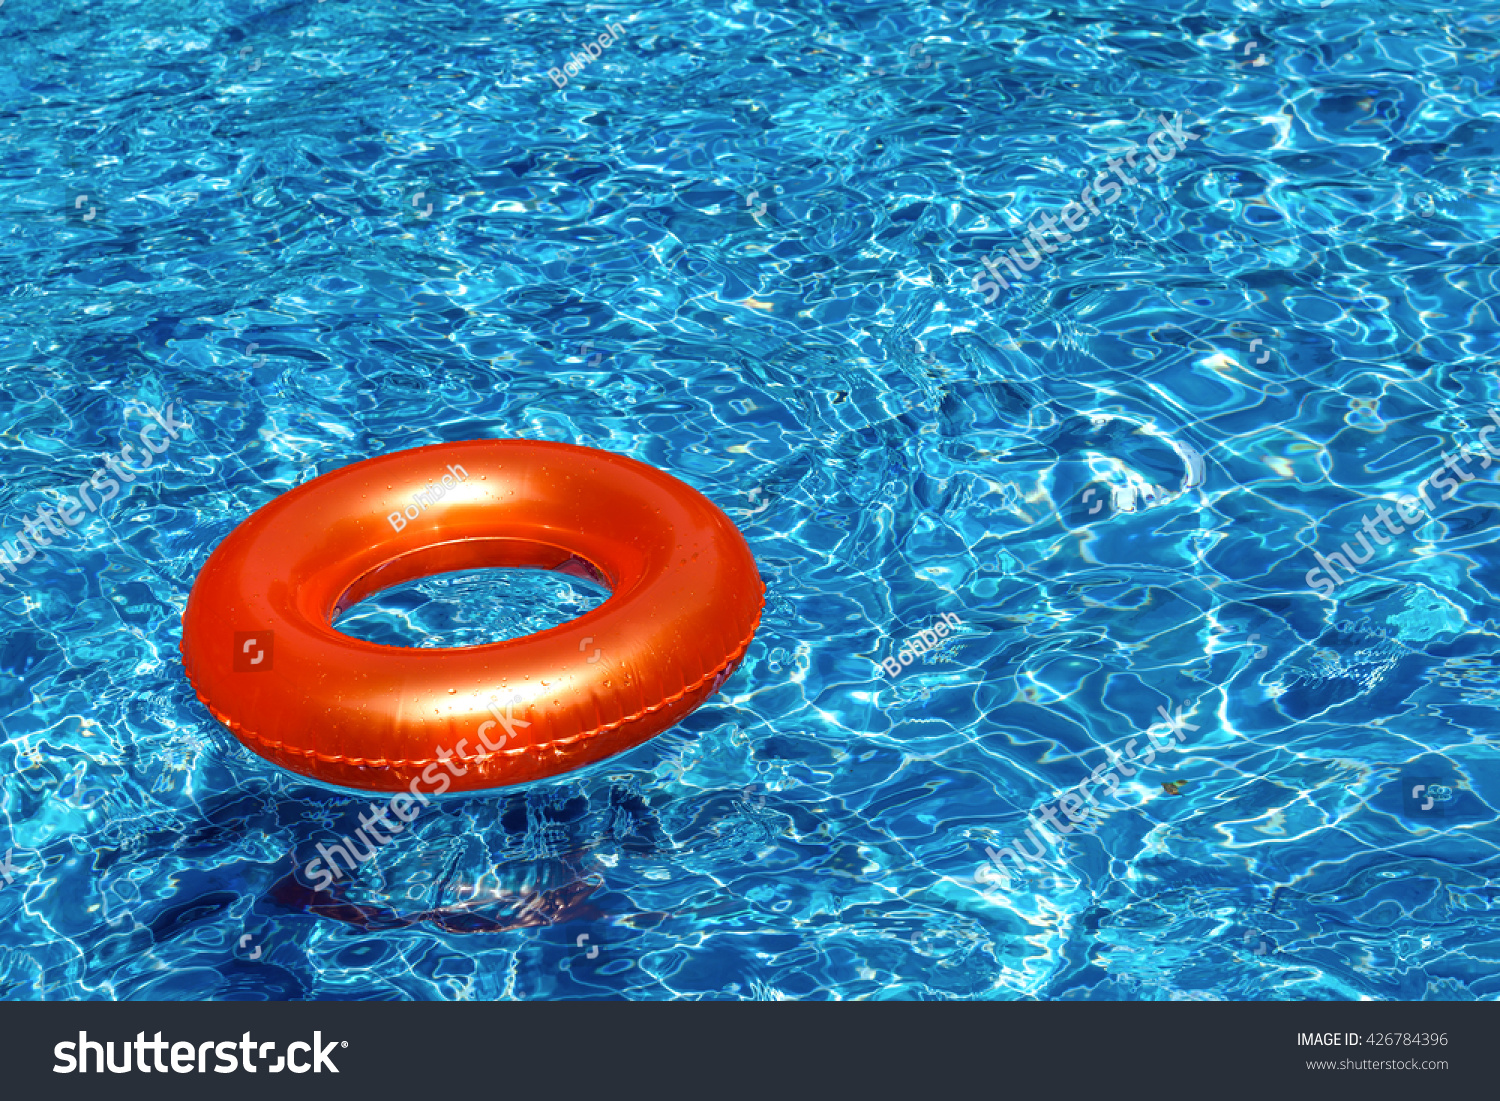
<point x="260" y="650"/>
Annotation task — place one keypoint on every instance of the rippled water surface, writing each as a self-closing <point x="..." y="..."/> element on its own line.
<point x="741" y="245"/>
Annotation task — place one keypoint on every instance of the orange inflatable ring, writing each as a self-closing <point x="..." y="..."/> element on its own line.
<point x="260" y="650"/>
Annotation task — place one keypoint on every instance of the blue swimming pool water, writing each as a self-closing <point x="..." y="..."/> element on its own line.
<point x="741" y="245"/>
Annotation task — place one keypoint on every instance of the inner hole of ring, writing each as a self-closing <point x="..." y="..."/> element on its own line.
<point x="471" y="607"/>
<point x="467" y="554"/>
